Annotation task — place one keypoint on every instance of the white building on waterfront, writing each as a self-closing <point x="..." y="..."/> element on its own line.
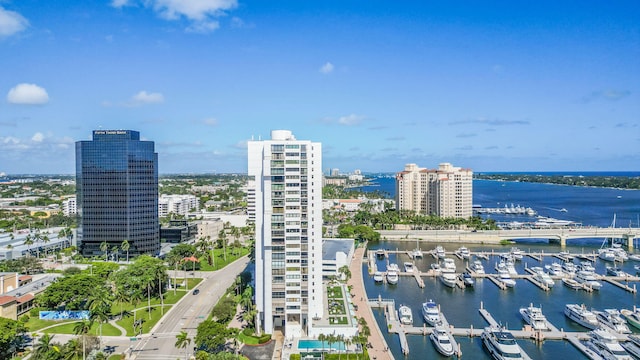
<point x="287" y="174"/>
<point x="446" y="191"/>
<point x="177" y="204"/>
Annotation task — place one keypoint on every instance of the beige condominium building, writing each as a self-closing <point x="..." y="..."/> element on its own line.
<point x="446" y="191"/>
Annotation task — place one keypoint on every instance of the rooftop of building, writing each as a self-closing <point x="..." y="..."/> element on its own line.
<point x="330" y="247"/>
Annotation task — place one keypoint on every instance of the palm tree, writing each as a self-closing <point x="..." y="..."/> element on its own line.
<point x="104" y="247"/>
<point x="182" y="341"/>
<point x="235" y="232"/>
<point x="100" y="308"/>
<point x="331" y="339"/>
<point x="36" y="238"/>
<point x="44" y="346"/>
<point x="45" y="240"/>
<point x="28" y="241"/>
<point x="322" y="338"/>
<point x="125" y="247"/>
<point x="222" y="238"/>
<point x="72" y="350"/>
<point x="82" y="328"/>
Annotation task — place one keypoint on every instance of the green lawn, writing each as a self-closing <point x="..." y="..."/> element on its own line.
<point x="156" y="314"/>
<point x="67" y="328"/>
<point x="220" y="262"/>
<point x="35" y="324"/>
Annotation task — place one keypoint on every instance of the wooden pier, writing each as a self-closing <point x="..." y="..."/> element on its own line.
<point x="614" y="281"/>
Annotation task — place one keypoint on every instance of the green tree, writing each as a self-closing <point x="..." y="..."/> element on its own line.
<point x="125" y="246"/>
<point x="182" y="341"/>
<point x="82" y="328"/>
<point x="212" y="336"/>
<point x="11" y="337"/>
<point x="104" y="247"/>
<point x="69" y="292"/>
<point x="45" y="349"/>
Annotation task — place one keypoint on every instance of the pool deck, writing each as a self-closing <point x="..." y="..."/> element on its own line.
<point x="379" y="349"/>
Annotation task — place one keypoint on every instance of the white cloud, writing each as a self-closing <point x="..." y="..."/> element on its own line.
<point x="11" y="22"/>
<point x="203" y="27"/>
<point x="350" y="120"/>
<point x="28" y="94"/>
<point x="37" y="137"/>
<point x="199" y="12"/>
<point x="210" y="122"/>
<point x="144" y="97"/>
<point x="327" y="68"/>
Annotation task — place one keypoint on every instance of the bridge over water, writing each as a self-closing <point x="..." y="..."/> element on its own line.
<point x="561" y="235"/>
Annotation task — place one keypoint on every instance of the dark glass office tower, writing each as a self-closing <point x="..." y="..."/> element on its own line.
<point x="117" y="193"/>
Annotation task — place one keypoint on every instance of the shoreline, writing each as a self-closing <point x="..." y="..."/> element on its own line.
<point x="548" y="183"/>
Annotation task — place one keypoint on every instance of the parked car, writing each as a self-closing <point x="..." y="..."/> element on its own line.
<point x="196" y="291"/>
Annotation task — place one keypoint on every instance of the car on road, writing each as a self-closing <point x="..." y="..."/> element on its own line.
<point x="196" y="291"/>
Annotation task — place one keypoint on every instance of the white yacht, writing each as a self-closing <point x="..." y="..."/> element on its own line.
<point x="533" y="316"/>
<point x="633" y="346"/>
<point x="505" y="277"/>
<point x="392" y="277"/>
<point x="448" y="279"/>
<point x="607" y="254"/>
<point x="431" y="313"/>
<point x="448" y="265"/>
<point x="467" y="279"/>
<point x="507" y="266"/>
<point x="436" y="268"/>
<point x="380" y="253"/>
<point x="442" y="341"/>
<point x="571" y="284"/>
<point x="417" y="254"/>
<point x="588" y="278"/>
<point x="581" y="315"/>
<point x="408" y="267"/>
<point x="542" y="277"/>
<point x="569" y="268"/>
<point x="440" y="253"/>
<point x="611" y="319"/>
<point x="634" y="257"/>
<point x="615" y="271"/>
<point x="607" y="345"/>
<point x="463" y="252"/>
<point x="554" y="269"/>
<point x="393" y="267"/>
<point x="501" y="344"/>
<point x="477" y="267"/>
<point x="586" y="266"/>
<point x="378" y="276"/>
<point x="516" y="253"/>
<point x="405" y="315"/>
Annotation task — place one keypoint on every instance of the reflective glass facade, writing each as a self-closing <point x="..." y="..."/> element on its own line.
<point x="117" y="192"/>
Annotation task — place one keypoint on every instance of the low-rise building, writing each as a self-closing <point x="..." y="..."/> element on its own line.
<point x="178" y="231"/>
<point x="336" y="253"/>
<point x="177" y="204"/>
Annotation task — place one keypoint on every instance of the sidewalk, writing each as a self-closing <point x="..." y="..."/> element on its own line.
<point x="364" y="311"/>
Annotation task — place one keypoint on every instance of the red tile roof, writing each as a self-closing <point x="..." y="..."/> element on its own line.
<point x="25" y="277"/>
<point x="25" y="298"/>
<point x="6" y="300"/>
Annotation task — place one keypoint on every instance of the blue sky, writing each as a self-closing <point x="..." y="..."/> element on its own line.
<point x="492" y="86"/>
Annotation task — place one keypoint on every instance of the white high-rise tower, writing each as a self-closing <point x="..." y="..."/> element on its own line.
<point x="287" y="176"/>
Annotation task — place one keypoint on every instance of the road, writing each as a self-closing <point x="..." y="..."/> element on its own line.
<point x="186" y="315"/>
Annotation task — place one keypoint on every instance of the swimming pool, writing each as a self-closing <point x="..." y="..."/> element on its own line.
<point x="317" y="345"/>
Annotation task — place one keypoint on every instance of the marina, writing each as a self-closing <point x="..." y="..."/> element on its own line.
<point x="563" y="330"/>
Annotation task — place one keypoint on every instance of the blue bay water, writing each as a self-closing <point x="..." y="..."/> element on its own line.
<point x="590" y="206"/>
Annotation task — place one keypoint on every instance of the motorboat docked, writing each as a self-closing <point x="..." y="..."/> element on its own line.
<point x="378" y="276"/>
<point x="533" y="316"/>
<point x="440" y="253"/>
<point x="588" y="278"/>
<point x="448" y="279"/>
<point x="611" y="319"/>
<point x="586" y="266"/>
<point x="571" y="284"/>
<point x="634" y="257"/>
<point x="408" y="267"/>
<point x="431" y="313"/>
<point x="501" y="344"/>
<point x="448" y="265"/>
<point x="554" y="269"/>
<point x="632" y="346"/>
<point x="615" y="271"/>
<point x="392" y="277"/>
<point x="607" y="254"/>
<point x="581" y="315"/>
<point x="467" y="279"/>
<point x="405" y="315"/>
<point x="417" y="254"/>
<point x="505" y="277"/>
<point x="442" y="340"/>
<point x="516" y="253"/>
<point x="633" y="317"/>
<point x="606" y="345"/>
<point x="477" y="267"/>
<point x="542" y="277"/>
<point x="507" y="266"/>
<point x="380" y="253"/>
<point x="436" y="268"/>
<point x="569" y="268"/>
<point x="567" y="255"/>
<point x="463" y="252"/>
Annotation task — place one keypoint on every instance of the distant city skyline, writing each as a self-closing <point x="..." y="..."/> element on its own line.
<point x="492" y="86"/>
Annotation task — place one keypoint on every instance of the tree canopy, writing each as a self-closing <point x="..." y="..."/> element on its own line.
<point x="11" y="337"/>
<point x="212" y="336"/>
<point x="70" y="292"/>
